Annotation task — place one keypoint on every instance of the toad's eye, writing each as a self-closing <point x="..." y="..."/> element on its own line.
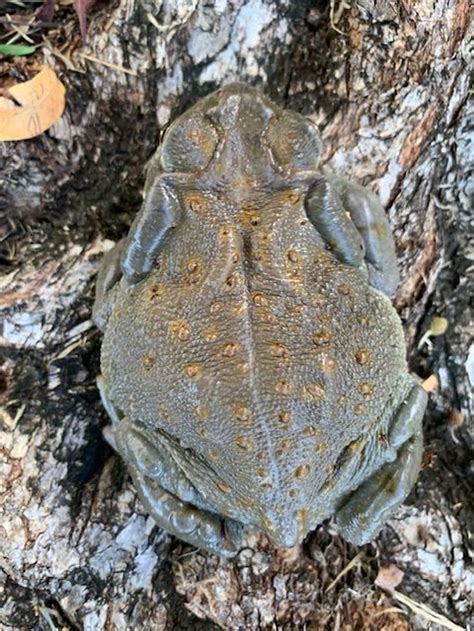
<point x="294" y="141"/>
<point x="188" y="145"/>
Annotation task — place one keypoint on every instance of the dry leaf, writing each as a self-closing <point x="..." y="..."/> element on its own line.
<point x="431" y="384"/>
<point x="389" y="577"/>
<point x="46" y="13"/>
<point x="82" y="7"/>
<point x="33" y="106"/>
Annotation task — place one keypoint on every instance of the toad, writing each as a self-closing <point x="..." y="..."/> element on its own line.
<point x="252" y="365"/>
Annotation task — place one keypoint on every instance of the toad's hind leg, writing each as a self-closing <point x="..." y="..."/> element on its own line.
<point x="197" y="527"/>
<point x="167" y="494"/>
<point x="370" y="505"/>
<point x="370" y="219"/>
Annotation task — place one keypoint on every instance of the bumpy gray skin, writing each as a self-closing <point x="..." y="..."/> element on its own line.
<point x="252" y="364"/>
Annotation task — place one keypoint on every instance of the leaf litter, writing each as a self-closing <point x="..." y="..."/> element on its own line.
<point x="28" y="109"/>
<point x="41" y="18"/>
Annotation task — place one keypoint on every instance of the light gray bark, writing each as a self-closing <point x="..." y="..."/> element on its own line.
<point x="390" y="94"/>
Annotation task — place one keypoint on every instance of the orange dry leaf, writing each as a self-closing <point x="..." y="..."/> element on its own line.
<point x="33" y="106"/>
<point x="431" y="384"/>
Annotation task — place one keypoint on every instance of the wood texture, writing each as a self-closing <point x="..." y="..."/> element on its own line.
<point x="389" y="90"/>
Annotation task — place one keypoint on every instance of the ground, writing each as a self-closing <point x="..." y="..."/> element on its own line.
<point x="388" y="85"/>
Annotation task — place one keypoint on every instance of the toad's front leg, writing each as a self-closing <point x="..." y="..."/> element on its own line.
<point x="369" y="218"/>
<point x="158" y="215"/>
<point x="352" y="221"/>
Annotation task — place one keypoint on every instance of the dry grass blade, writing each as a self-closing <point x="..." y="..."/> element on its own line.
<point x="358" y="557"/>
<point x="426" y="613"/>
<point x="95" y="60"/>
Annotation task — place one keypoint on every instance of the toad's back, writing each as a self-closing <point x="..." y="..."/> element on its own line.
<point x="257" y="351"/>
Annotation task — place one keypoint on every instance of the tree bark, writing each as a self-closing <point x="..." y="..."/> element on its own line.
<point x="388" y="86"/>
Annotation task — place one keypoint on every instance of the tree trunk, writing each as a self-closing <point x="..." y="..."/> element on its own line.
<point x="388" y="86"/>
